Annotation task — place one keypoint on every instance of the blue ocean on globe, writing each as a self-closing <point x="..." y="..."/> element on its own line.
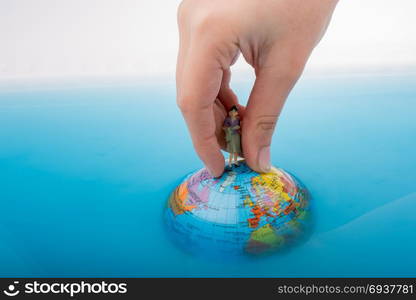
<point x="240" y="213"/>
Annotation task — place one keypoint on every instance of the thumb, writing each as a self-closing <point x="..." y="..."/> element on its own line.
<point x="265" y="103"/>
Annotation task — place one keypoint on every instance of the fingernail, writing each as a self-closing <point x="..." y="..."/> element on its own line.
<point x="264" y="159"/>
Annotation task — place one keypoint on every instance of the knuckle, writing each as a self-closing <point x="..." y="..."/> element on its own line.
<point x="290" y="68"/>
<point x="189" y="104"/>
<point x="209" y="21"/>
<point x="265" y="123"/>
<point x="260" y="128"/>
<point x="184" y="103"/>
<point x="295" y="66"/>
<point x="205" y="140"/>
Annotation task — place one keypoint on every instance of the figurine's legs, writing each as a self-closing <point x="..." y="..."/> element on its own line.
<point x="236" y="158"/>
<point x="230" y="159"/>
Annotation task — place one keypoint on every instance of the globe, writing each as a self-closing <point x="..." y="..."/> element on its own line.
<point x="242" y="213"/>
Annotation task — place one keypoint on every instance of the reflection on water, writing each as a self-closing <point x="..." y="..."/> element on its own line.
<point x="85" y="174"/>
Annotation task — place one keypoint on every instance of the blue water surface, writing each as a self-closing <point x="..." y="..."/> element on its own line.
<point x="85" y="174"/>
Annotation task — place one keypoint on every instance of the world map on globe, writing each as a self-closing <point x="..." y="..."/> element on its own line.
<point x="241" y="213"/>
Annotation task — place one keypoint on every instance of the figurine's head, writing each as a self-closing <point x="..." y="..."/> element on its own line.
<point x="233" y="112"/>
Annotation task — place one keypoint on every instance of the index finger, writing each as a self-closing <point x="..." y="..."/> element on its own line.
<point x="198" y="85"/>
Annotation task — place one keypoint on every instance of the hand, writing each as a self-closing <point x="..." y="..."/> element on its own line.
<point x="275" y="37"/>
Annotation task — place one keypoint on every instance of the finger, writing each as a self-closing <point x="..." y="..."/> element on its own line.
<point x="198" y="87"/>
<point x="226" y="94"/>
<point x="220" y="113"/>
<point x="271" y="88"/>
<point x="183" y="42"/>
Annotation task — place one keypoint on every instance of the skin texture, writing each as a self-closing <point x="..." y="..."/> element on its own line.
<point x="276" y="37"/>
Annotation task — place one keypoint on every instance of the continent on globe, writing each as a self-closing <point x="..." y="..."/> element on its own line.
<point x="263" y="239"/>
<point x="241" y="213"/>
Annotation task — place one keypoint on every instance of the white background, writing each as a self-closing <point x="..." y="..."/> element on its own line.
<point x="75" y="38"/>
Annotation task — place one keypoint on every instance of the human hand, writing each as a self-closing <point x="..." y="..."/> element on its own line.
<point x="275" y="37"/>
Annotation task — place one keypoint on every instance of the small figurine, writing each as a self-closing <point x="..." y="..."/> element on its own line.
<point x="231" y="127"/>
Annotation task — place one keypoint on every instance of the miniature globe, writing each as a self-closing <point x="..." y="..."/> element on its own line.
<point x="241" y="213"/>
